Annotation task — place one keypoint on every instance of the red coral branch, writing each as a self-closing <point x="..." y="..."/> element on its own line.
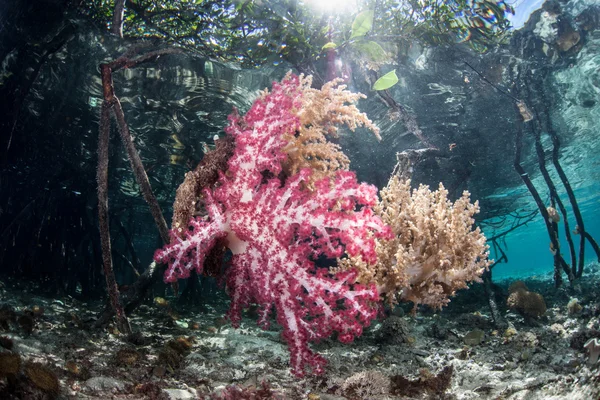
<point x="275" y="230"/>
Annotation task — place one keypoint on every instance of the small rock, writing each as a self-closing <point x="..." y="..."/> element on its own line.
<point x="558" y="329"/>
<point x="326" y="396"/>
<point x="179" y="394"/>
<point x="474" y="338"/>
<point x="221" y="374"/>
<point x="420" y="352"/>
<point x="498" y="367"/>
<point x="571" y="362"/>
<point x="421" y="361"/>
<point x="181" y="324"/>
<point x="438" y="331"/>
<point x="395" y="330"/>
<point x="574" y="307"/>
<point x="159" y="371"/>
<point x="104" y="383"/>
<point x="398" y="311"/>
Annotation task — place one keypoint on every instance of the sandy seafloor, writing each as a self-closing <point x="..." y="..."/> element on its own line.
<point x="539" y="359"/>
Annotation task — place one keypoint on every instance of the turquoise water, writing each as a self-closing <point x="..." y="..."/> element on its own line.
<point x="528" y="248"/>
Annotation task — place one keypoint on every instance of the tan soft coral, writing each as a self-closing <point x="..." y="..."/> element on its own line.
<point x="435" y="251"/>
<point x="203" y="176"/>
<point x="322" y="112"/>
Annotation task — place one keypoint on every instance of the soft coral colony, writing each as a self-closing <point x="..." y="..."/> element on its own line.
<point x="286" y="200"/>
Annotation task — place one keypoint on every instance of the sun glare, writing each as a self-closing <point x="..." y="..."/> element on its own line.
<point x="332" y="6"/>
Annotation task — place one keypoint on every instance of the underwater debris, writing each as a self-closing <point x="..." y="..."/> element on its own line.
<point x="137" y="338"/>
<point x="593" y="348"/>
<point x="573" y="306"/>
<point x="7" y="315"/>
<point x="161" y="302"/>
<point x="172" y="354"/>
<point x="26" y="322"/>
<point x="182" y="345"/>
<point x="427" y="383"/>
<point x="10" y="364"/>
<point x="581" y="337"/>
<point x="365" y="384"/>
<point x="474" y="337"/>
<point x="102" y="384"/>
<point x="72" y="319"/>
<point x="234" y="392"/>
<point x="6" y="342"/>
<point x="127" y="357"/>
<point x="526" y="340"/>
<point x="113" y="330"/>
<point x="212" y="329"/>
<point x="38" y="311"/>
<point x="509" y="334"/>
<point x="394" y="330"/>
<point x="169" y="358"/>
<point x="438" y="330"/>
<point x="151" y="389"/>
<point x="465" y="353"/>
<point x="76" y="370"/>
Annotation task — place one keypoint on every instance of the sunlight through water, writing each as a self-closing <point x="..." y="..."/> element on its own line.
<point x="333" y="6"/>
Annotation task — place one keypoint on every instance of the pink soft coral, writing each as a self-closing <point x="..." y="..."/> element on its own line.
<point x="275" y="229"/>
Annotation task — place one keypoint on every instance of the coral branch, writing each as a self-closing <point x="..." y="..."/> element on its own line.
<point x="435" y="250"/>
<point x="322" y="113"/>
<point x="203" y="176"/>
<point x="275" y="228"/>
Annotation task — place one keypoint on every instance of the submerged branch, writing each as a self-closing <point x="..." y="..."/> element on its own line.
<point x="559" y="262"/>
<point x="102" y="177"/>
<point x="398" y="111"/>
<point x="112" y="105"/>
<point x="117" y="20"/>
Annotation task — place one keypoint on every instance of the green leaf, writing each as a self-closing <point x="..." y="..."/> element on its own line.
<point x="329" y="45"/>
<point x="371" y="50"/>
<point x="181" y="324"/>
<point x="362" y="24"/>
<point x="386" y="81"/>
